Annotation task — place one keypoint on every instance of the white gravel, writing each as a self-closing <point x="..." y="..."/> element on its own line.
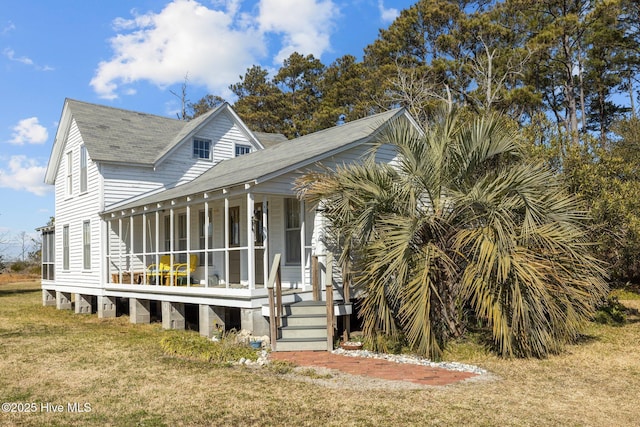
<point x="415" y="360"/>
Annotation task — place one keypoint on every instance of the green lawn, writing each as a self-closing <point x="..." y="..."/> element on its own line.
<point x="50" y="358"/>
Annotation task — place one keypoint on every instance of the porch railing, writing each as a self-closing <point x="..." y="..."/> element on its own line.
<point x="274" y="289"/>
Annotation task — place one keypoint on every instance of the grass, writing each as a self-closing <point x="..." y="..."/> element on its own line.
<point x="121" y="371"/>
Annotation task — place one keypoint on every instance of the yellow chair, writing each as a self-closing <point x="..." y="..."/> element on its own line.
<point x="160" y="271"/>
<point x="181" y="271"/>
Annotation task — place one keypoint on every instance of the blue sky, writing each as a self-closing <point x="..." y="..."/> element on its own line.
<point x="131" y="54"/>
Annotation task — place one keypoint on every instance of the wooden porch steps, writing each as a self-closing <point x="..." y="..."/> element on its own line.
<point x="304" y="326"/>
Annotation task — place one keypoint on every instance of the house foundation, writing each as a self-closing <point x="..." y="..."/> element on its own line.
<point x="106" y="307"/>
<point x="83" y="304"/>
<point x="252" y="320"/>
<point x="48" y="298"/>
<point x="139" y="310"/>
<point x="210" y="318"/>
<point x="173" y="315"/>
<point x="63" y="300"/>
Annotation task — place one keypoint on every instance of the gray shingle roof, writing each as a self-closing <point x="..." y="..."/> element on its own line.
<point x="269" y="139"/>
<point x="116" y="135"/>
<point x="260" y="165"/>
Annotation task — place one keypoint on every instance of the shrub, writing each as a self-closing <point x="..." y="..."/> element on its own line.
<point x="18" y="266"/>
<point x="611" y="312"/>
<point x="225" y="351"/>
<point x="388" y="343"/>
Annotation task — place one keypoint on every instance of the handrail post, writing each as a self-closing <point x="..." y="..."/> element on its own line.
<point x="274" y="317"/>
<point x="346" y="291"/>
<point x="329" y="289"/>
<point x="315" y="285"/>
<point x="278" y="297"/>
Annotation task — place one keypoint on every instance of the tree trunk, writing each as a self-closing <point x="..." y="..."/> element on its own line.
<point x="569" y="92"/>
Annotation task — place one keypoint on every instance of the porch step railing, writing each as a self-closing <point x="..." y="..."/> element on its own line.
<point x="307" y="332"/>
<point x="274" y="289"/>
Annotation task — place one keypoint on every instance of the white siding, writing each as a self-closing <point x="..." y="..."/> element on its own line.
<point x="284" y="185"/>
<point x="124" y="182"/>
<point x="73" y="210"/>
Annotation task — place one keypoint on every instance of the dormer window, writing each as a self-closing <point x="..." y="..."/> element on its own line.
<point x="202" y="149"/>
<point x="242" y="149"/>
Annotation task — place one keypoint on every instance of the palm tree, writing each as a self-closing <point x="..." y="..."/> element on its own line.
<point x="461" y="231"/>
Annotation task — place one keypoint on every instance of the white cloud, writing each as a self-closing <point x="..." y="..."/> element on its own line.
<point x="212" y="46"/>
<point x="11" y="55"/>
<point x="9" y="26"/>
<point x="185" y="37"/>
<point x="24" y="174"/>
<point x="29" y="131"/>
<point x="387" y="15"/>
<point x="305" y="25"/>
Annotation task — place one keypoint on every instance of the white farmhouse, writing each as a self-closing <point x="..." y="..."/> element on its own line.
<point x="162" y="218"/>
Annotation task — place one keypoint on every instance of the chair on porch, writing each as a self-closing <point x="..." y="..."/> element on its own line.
<point x="183" y="270"/>
<point x="157" y="273"/>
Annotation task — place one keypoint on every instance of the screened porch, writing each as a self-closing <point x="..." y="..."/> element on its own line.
<point x="213" y="243"/>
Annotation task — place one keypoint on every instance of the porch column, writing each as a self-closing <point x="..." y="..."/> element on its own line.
<point x="206" y="245"/>
<point x="83" y="304"/>
<point x="48" y="298"/>
<point x="144" y="248"/>
<point x="265" y="243"/>
<point x="139" y="310"/>
<point x="63" y="300"/>
<point x="210" y="317"/>
<point x="157" y="263"/>
<point x="105" y="247"/>
<point x="131" y="251"/>
<point x="171" y="244"/>
<point x="106" y="307"/>
<point x="120" y="242"/>
<point x="251" y="238"/>
<point x="172" y="315"/>
<point x="226" y="241"/>
<point x="188" y="243"/>
<point x="302" y="245"/>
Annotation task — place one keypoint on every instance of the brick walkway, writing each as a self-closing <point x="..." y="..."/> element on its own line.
<point x="377" y="368"/>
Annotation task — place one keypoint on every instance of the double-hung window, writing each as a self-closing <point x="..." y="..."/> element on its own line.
<point x="292" y="231"/>
<point x="202" y="149"/>
<point x="83" y="169"/>
<point x="86" y="245"/>
<point x="69" y="181"/>
<point x="65" y="247"/>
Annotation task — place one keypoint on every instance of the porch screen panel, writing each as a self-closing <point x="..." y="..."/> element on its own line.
<point x="208" y="234"/>
<point x="182" y="237"/>
<point x="48" y="255"/>
<point x="167" y="234"/>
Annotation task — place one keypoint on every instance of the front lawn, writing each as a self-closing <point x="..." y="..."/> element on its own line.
<point x="119" y="372"/>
